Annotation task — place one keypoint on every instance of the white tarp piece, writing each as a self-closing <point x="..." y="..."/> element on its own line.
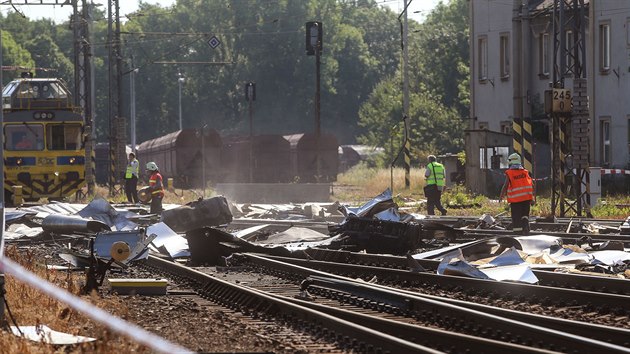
<point x="538" y="243"/>
<point x="16" y="231"/>
<point x="521" y="273"/>
<point x="44" y="334"/>
<point x="174" y="244"/>
<point x="566" y="255"/>
<point x="609" y="257"/>
<point x="294" y="234"/>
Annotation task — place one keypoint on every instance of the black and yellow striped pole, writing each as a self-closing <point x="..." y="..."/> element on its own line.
<point x="517" y="135"/>
<point x="527" y="154"/>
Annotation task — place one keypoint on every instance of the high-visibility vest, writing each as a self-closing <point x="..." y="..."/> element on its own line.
<point x="133" y="169"/>
<point x="437" y="174"/>
<point x="153" y="182"/>
<point x="520" y="186"/>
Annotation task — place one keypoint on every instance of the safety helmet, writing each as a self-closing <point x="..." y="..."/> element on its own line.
<point x="152" y="166"/>
<point x="514" y="159"/>
<point x="431" y="158"/>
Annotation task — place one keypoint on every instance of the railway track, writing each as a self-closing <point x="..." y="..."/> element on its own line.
<point x="417" y="323"/>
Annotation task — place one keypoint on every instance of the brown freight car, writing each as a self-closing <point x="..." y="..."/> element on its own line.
<point x="304" y="149"/>
<point x="271" y="161"/>
<point x="179" y="155"/>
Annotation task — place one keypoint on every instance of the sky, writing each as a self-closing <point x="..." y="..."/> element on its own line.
<point x="417" y="9"/>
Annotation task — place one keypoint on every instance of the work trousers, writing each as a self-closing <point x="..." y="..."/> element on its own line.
<point x="156" y="204"/>
<point x="520" y="216"/>
<point x="131" y="189"/>
<point x="434" y="200"/>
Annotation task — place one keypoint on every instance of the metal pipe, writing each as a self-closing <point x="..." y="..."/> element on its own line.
<point x="69" y="224"/>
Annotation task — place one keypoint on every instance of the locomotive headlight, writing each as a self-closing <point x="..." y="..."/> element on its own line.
<point x="18" y="162"/>
<point x="56" y="174"/>
<point x="37" y="115"/>
<point x="72" y="160"/>
<point x="49" y="115"/>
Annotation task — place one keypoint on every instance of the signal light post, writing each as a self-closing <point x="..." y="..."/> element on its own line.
<point x="250" y="96"/>
<point x="314" y="46"/>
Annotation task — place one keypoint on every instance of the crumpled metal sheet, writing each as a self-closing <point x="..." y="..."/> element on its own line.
<point x="43" y="334"/>
<point x="208" y="212"/>
<point x="475" y="250"/>
<point x="454" y="264"/>
<point x="13" y="216"/>
<point x="377" y="204"/>
<point x="539" y="243"/>
<point x="100" y="209"/>
<point x="508" y="267"/>
<point x="250" y="232"/>
<point x="507" y="258"/>
<point x="390" y="214"/>
<point x="175" y="245"/>
<point x="54" y="208"/>
<point x="69" y="224"/>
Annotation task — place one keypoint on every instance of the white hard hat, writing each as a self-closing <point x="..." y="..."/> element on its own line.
<point x="152" y="166"/>
<point x="514" y="159"/>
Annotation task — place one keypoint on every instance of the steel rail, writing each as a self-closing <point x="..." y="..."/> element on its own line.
<point x="247" y="297"/>
<point x="547" y="278"/>
<point x="456" y="314"/>
<point x="534" y="293"/>
<point x="450" y="342"/>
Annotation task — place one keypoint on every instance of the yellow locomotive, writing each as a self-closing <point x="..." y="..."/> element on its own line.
<point x="43" y="145"/>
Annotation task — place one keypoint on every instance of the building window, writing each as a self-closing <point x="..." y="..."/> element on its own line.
<point x="493" y="157"/>
<point x="483" y="125"/>
<point x="604" y="47"/>
<point x="570" y="70"/>
<point x="483" y="58"/>
<point x="504" y="45"/>
<point x="543" y="55"/>
<point x="506" y="127"/>
<point x="604" y="140"/>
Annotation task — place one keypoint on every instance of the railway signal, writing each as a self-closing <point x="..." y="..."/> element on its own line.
<point x="250" y="96"/>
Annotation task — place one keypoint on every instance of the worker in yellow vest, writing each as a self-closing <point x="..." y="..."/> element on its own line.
<point x="519" y="188"/>
<point x="435" y="175"/>
<point x="131" y="178"/>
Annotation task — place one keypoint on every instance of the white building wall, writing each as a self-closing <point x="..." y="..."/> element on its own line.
<point x="493" y="97"/>
<point x="609" y="91"/>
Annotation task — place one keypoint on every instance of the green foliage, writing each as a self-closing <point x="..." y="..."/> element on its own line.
<point x="264" y="42"/>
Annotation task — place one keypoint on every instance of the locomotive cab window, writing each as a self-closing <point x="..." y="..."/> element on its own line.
<point x="64" y="137"/>
<point x="24" y="137"/>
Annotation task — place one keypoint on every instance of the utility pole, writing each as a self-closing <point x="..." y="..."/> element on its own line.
<point x="314" y="46"/>
<point x="132" y="105"/>
<point x="405" y="74"/>
<point x="117" y="131"/>
<point x="569" y="111"/>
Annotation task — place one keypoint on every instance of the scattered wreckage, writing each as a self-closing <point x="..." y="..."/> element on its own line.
<point x="101" y="237"/>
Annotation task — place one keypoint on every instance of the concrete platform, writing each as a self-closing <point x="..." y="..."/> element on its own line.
<point x="274" y="192"/>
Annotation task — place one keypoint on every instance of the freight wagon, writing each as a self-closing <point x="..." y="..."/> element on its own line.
<point x="179" y="155"/>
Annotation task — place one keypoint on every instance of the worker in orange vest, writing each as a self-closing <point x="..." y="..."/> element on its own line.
<point x="519" y="188"/>
<point x="156" y="187"/>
